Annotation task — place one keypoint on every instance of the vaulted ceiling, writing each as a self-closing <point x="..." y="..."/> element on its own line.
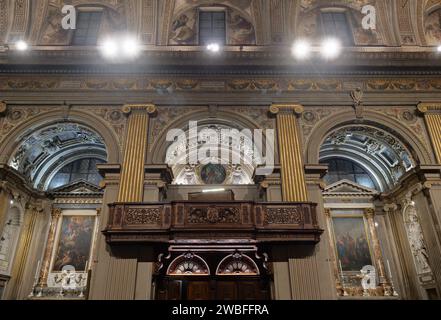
<point x="266" y="22"/>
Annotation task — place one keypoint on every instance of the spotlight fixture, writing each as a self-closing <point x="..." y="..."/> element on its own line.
<point x="439" y="49"/>
<point x="131" y="47"/>
<point x="12" y="202"/>
<point x="109" y="48"/>
<point x="213" y="47"/>
<point x="21" y="45"/>
<point x="331" y="48"/>
<point x="301" y="49"/>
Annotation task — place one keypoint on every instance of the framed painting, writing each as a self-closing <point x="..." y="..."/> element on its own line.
<point x="74" y="241"/>
<point x="351" y="243"/>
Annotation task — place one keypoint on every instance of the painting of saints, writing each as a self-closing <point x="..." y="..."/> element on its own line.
<point x="351" y="243"/>
<point x="74" y="242"/>
<point x="213" y="174"/>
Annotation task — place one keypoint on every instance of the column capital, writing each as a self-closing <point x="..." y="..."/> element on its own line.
<point x="369" y="213"/>
<point x="297" y="109"/>
<point x="149" y="108"/>
<point x="425" y="107"/>
<point x="56" y="213"/>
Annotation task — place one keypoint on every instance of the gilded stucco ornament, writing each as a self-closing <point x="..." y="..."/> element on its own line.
<point x="3" y="108"/>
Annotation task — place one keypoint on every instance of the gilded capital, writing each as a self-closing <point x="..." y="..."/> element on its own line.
<point x="286" y="108"/>
<point x="424" y="107"/>
<point x="369" y="213"/>
<point x="56" y="213"/>
<point x="149" y="108"/>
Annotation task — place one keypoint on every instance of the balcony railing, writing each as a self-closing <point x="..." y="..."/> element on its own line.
<point x="206" y="222"/>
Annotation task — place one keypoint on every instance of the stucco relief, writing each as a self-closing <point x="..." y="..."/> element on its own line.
<point x="416" y="238"/>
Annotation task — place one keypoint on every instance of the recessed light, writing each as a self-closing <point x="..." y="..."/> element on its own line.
<point x="131" y="47"/>
<point x="109" y="48"/>
<point x="439" y="48"/>
<point x="331" y="48"/>
<point x="21" y="45"/>
<point x="213" y="47"/>
<point x="301" y="49"/>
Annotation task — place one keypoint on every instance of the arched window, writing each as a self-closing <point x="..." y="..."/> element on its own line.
<point x="342" y="169"/>
<point x="82" y="169"/>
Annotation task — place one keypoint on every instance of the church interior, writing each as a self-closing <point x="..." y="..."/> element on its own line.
<point x="220" y="150"/>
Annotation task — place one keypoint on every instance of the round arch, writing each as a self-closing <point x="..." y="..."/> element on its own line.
<point x="58" y="116"/>
<point x="321" y="132"/>
<point x="159" y="149"/>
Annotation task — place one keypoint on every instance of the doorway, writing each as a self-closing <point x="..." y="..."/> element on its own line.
<point x="212" y="288"/>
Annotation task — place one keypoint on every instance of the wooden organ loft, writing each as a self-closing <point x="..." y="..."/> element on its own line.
<point x="212" y="247"/>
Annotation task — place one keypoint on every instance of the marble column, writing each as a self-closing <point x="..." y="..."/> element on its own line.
<point x="332" y="256"/>
<point x="378" y="256"/>
<point x="44" y="273"/>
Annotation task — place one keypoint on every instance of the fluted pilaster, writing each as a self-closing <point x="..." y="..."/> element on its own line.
<point x="290" y="152"/>
<point x="131" y="187"/>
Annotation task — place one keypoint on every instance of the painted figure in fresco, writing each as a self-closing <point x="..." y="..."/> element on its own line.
<point x="241" y="30"/>
<point x="433" y="27"/>
<point x="182" y="31"/>
<point x="213" y="174"/>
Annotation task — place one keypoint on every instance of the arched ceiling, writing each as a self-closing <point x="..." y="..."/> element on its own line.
<point x="377" y="151"/>
<point x="44" y="151"/>
<point x="400" y="22"/>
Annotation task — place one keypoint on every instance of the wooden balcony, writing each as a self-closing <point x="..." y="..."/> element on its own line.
<point x="232" y="222"/>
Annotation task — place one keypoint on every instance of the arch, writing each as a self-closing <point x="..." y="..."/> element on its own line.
<point x="188" y="264"/>
<point x="237" y="264"/>
<point x="160" y="146"/>
<point x="40" y="121"/>
<point x="417" y="148"/>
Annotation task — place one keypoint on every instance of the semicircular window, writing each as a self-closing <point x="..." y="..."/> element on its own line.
<point x="343" y="169"/>
<point x="78" y="170"/>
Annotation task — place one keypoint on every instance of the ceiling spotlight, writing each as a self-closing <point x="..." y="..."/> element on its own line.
<point x="12" y="202"/>
<point x="131" y="47"/>
<point x="301" y="49"/>
<point x="331" y="48"/>
<point x="213" y="47"/>
<point x="439" y="49"/>
<point x="109" y="48"/>
<point x="21" y="45"/>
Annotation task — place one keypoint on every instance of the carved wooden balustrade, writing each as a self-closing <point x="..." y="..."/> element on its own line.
<point x="202" y="222"/>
